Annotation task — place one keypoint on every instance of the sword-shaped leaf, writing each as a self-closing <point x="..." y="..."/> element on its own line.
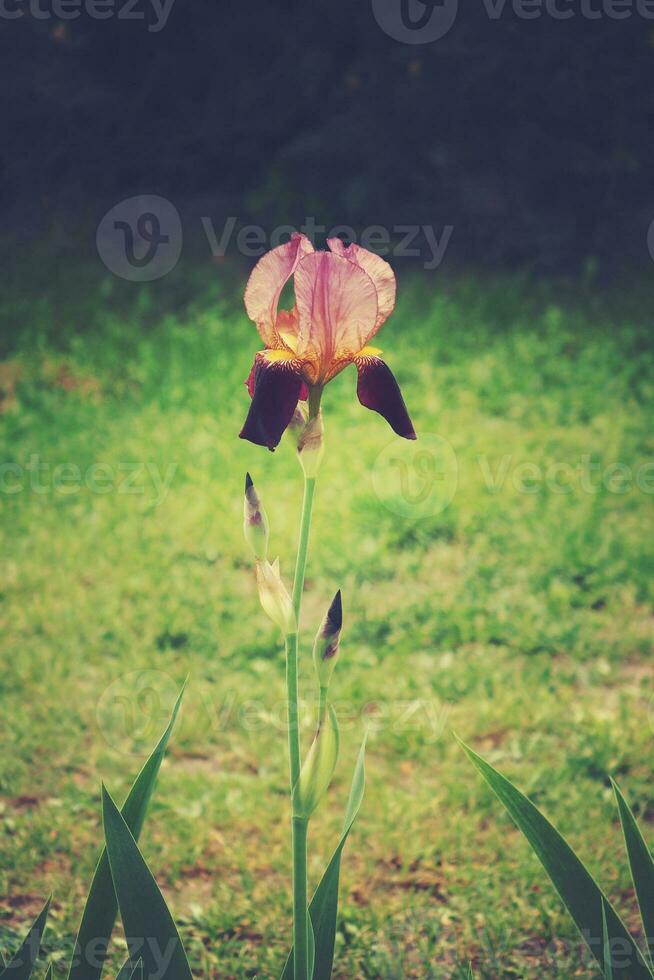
<point x="150" y="931"/>
<point x="129" y="972"/>
<point x="606" y="946"/>
<point x="577" y="889"/>
<point x="20" y="966"/>
<point x="640" y="863"/>
<point x="101" y="907"/>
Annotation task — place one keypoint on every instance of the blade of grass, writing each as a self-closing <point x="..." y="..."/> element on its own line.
<point x="149" y="928"/>
<point x="99" y="914"/>
<point x="20" y="966"/>
<point x="640" y="864"/>
<point x="576" y="887"/>
<point x="324" y="904"/>
<point x="128" y="972"/>
<point x="606" y="946"/>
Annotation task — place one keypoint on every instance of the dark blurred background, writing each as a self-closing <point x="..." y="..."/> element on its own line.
<point x="528" y="131"/>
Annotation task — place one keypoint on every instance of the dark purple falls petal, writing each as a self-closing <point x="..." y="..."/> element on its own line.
<point x="378" y="390"/>
<point x="275" y="390"/>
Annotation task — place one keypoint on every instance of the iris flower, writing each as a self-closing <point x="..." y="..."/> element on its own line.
<point x="342" y="298"/>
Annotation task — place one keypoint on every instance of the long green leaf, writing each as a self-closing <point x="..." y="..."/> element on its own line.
<point x="21" y="965"/>
<point x="149" y="928"/>
<point x="606" y="946"/>
<point x="574" y="883"/>
<point x="99" y="914"/>
<point x="640" y="863"/>
<point x="324" y="904"/>
<point x="129" y="972"/>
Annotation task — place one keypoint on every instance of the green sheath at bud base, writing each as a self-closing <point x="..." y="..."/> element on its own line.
<point x="255" y="522"/>
<point x="275" y="600"/>
<point x="326" y="645"/>
<point x="318" y="768"/>
<point x="311" y="446"/>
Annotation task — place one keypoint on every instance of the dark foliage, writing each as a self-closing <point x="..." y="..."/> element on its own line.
<point x="533" y="137"/>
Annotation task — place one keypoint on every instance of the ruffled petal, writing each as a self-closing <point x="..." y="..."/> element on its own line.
<point x="267" y="279"/>
<point x="275" y="385"/>
<point x="379" y="271"/>
<point x="337" y="307"/>
<point x="378" y="390"/>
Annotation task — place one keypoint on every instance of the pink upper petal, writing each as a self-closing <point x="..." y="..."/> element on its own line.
<point x="379" y="271"/>
<point x="337" y="307"/>
<point x="268" y="278"/>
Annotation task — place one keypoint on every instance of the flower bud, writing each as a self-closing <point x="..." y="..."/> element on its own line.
<point x="274" y="598"/>
<point x="255" y="522"/>
<point x="298" y="421"/>
<point x="325" y="647"/>
<point x="311" y="445"/>
<point x="318" y="769"/>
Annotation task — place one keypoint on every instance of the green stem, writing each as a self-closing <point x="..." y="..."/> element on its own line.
<point x="293" y="720"/>
<point x="322" y="704"/>
<point x="300" y="901"/>
<point x="303" y="546"/>
<point x="299" y="827"/>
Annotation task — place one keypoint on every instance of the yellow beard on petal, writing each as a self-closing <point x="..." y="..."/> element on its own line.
<point x="368" y="352"/>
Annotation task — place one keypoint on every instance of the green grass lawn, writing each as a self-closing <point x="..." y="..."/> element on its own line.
<point x="496" y="578"/>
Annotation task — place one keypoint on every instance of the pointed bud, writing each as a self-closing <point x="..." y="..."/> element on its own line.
<point x="275" y="600"/>
<point x="255" y="522"/>
<point x="325" y="648"/>
<point x="311" y="445"/>
<point x="318" y="768"/>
